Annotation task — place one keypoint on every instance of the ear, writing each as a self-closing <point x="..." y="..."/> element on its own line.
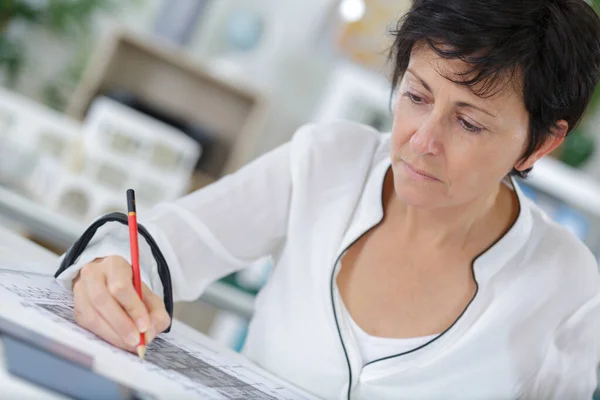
<point x="554" y="140"/>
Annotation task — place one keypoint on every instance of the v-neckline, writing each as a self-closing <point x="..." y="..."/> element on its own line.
<point x="365" y="218"/>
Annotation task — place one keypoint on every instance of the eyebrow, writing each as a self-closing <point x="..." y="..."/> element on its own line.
<point x="425" y="85"/>
<point x="461" y="104"/>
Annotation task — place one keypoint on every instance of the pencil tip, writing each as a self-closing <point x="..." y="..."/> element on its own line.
<point x="141" y="350"/>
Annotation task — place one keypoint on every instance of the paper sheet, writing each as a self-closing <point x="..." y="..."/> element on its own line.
<point x="180" y="364"/>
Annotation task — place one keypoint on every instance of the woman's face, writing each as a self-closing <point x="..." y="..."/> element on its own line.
<point x="450" y="146"/>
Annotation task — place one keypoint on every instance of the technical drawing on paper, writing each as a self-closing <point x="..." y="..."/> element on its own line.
<point x="193" y="366"/>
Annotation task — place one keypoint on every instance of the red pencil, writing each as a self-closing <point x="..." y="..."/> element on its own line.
<point x="135" y="259"/>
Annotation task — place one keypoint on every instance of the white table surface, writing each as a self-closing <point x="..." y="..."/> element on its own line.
<point x="21" y="254"/>
<point x="24" y="255"/>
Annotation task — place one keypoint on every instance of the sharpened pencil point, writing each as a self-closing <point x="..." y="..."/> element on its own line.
<point x="141" y="350"/>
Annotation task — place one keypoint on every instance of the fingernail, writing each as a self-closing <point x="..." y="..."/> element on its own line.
<point x="133" y="339"/>
<point x="142" y="324"/>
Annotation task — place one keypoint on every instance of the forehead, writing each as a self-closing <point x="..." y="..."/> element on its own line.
<point x="436" y="70"/>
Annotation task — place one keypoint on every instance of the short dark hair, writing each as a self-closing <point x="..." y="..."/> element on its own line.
<point x="551" y="46"/>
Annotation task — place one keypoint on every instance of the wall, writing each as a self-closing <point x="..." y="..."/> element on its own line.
<point x="285" y="65"/>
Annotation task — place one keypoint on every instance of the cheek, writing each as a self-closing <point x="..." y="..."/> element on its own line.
<point x="404" y="127"/>
<point x="502" y="152"/>
<point x="467" y="160"/>
<point x="476" y="165"/>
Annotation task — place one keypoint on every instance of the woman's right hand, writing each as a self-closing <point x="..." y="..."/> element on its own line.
<point x="107" y="304"/>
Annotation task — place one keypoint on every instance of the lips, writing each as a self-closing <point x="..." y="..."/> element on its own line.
<point x="419" y="171"/>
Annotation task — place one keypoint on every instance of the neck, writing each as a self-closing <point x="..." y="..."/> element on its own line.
<point x="458" y="227"/>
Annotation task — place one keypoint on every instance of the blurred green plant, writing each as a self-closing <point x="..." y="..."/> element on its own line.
<point x="594" y="103"/>
<point x="66" y="18"/>
<point x="70" y="20"/>
<point x="581" y="144"/>
<point x="57" y="91"/>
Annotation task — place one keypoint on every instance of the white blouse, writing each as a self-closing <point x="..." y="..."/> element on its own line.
<point x="377" y="347"/>
<point x="529" y="332"/>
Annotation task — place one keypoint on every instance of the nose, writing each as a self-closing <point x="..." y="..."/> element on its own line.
<point x="427" y="139"/>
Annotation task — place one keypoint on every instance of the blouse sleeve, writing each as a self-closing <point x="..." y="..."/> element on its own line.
<point x="209" y="233"/>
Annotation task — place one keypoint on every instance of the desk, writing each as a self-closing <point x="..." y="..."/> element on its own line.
<point x="13" y="249"/>
<point x="26" y="256"/>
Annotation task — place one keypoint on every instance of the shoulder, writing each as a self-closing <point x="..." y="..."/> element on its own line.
<point x="335" y="157"/>
<point x="563" y="261"/>
<point x="337" y="149"/>
<point x="569" y="297"/>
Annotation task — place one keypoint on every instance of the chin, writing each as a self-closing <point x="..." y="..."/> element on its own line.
<point x="412" y="199"/>
<point x="416" y="195"/>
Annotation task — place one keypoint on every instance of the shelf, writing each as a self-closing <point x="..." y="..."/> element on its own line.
<point x="168" y="81"/>
<point x="566" y="183"/>
<point x="53" y="228"/>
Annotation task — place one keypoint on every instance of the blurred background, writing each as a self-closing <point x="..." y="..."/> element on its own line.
<point x="166" y="96"/>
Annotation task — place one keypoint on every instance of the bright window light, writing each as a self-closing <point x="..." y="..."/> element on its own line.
<point x="352" y="10"/>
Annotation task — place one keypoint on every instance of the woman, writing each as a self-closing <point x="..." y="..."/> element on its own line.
<point x="408" y="265"/>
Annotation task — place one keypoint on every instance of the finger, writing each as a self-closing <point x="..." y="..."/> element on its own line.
<point x="159" y="317"/>
<point x="120" y="285"/>
<point x="90" y="319"/>
<point x="107" y="307"/>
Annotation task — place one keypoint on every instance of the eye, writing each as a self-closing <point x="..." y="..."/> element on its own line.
<point x="469" y="127"/>
<point x="414" y="98"/>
